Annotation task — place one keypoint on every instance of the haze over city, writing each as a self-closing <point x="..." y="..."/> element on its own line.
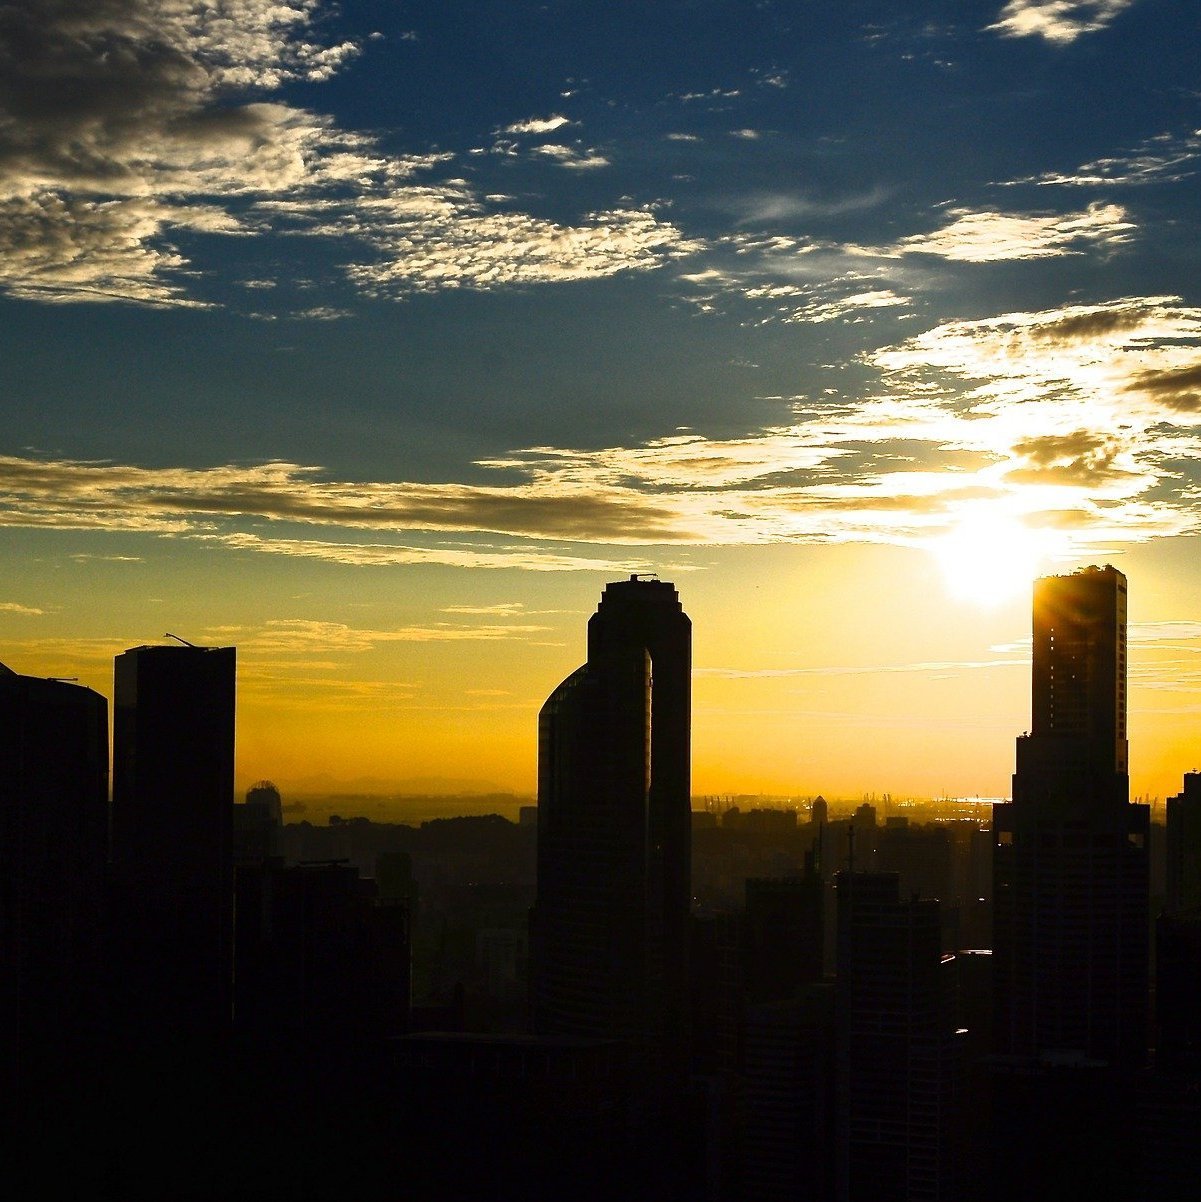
<point x="375" y="339"/>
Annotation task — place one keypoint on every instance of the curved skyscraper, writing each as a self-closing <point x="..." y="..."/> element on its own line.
<point x="610" y="924"/>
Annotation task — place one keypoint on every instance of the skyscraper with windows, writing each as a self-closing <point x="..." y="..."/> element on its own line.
<point x="1070" y="851"/>
<point x="173" y="779"/>
<point x="609" y="926"/>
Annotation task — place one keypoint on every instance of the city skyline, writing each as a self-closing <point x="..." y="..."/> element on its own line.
<point x="374" y="339"/>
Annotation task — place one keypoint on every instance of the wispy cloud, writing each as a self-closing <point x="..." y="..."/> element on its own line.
<point x="1163" y="159"/>
<point x="307" y="637"/>
<point x="1057" y="21"/>
<point x="935" y="667"/>
<point x="520" y="556"/>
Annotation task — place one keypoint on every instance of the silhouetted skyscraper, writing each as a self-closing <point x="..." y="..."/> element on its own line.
<point x="173" y="767"/>
<point x="610" y="923"/>
<point x="53" y="851"/>
<point x="1070" y="852"/>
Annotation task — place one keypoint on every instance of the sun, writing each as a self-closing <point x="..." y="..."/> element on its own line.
<point x="989" y="558"/>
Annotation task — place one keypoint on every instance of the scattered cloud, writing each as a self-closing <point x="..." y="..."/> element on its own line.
<point x="808" y="280"/>
<point x="712" y="94"/>
<point x="128" y="127"/>
<point x="1057" y="21"/>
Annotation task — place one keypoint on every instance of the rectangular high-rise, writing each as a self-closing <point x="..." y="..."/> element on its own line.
<point x="173" y="780"/>
<point x="1070" y="851"/>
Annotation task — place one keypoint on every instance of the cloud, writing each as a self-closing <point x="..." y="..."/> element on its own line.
<point x="1079" y="424"/>
<point x="571" y="157"/>
<point x="306" y="637"/>
<point x="935" y="666"/>
<point x="522" y="558"/>
<point x="1057" y="21"/>
<point x="127" y="127"/>
<point x="538" y="125"/>
<point x="27" y="611"/>
<point x="811" y="281"/>
<point x="465" y="247"/>
<point x="506" y="608"/>
<point x="1163" y="159"/>
<point x="1177" y="387"/>
<point x="773" y="207"/>
<point x="985" y="236"/>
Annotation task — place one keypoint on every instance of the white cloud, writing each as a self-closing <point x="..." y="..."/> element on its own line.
<point x="986" y="236"/>
<point x="465" y="247"/>
<point x="538" y="125"/>
<point x="25" y="611"/>
<point x="569" y="156"/>
<point x="1057" y="21"/>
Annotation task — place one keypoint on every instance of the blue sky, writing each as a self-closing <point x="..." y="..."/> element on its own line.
<point x="476" y="305"/>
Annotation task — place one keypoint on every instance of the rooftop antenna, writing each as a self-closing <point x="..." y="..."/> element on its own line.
<point x="176" y="637"/>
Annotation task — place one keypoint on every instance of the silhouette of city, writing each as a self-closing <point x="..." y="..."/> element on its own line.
<point x="617" y="996"/>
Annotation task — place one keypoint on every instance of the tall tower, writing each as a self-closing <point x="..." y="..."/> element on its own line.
<point x="173" y="777"/>
<point x="1070" y="851"/>
<point x="610" y="923"/>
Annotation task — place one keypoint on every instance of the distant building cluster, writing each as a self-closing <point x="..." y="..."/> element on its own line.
<point x="615" y="997"/>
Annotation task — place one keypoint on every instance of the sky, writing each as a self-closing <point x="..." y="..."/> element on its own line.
<point x="373" y="338"/>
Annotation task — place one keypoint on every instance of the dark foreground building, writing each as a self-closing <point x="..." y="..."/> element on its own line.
<point x="173" y="765"/>
<point x="53" y="848"/>
<point x="610" y="924"/>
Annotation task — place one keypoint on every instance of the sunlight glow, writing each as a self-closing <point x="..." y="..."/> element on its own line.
<point x="990" y="558"/>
